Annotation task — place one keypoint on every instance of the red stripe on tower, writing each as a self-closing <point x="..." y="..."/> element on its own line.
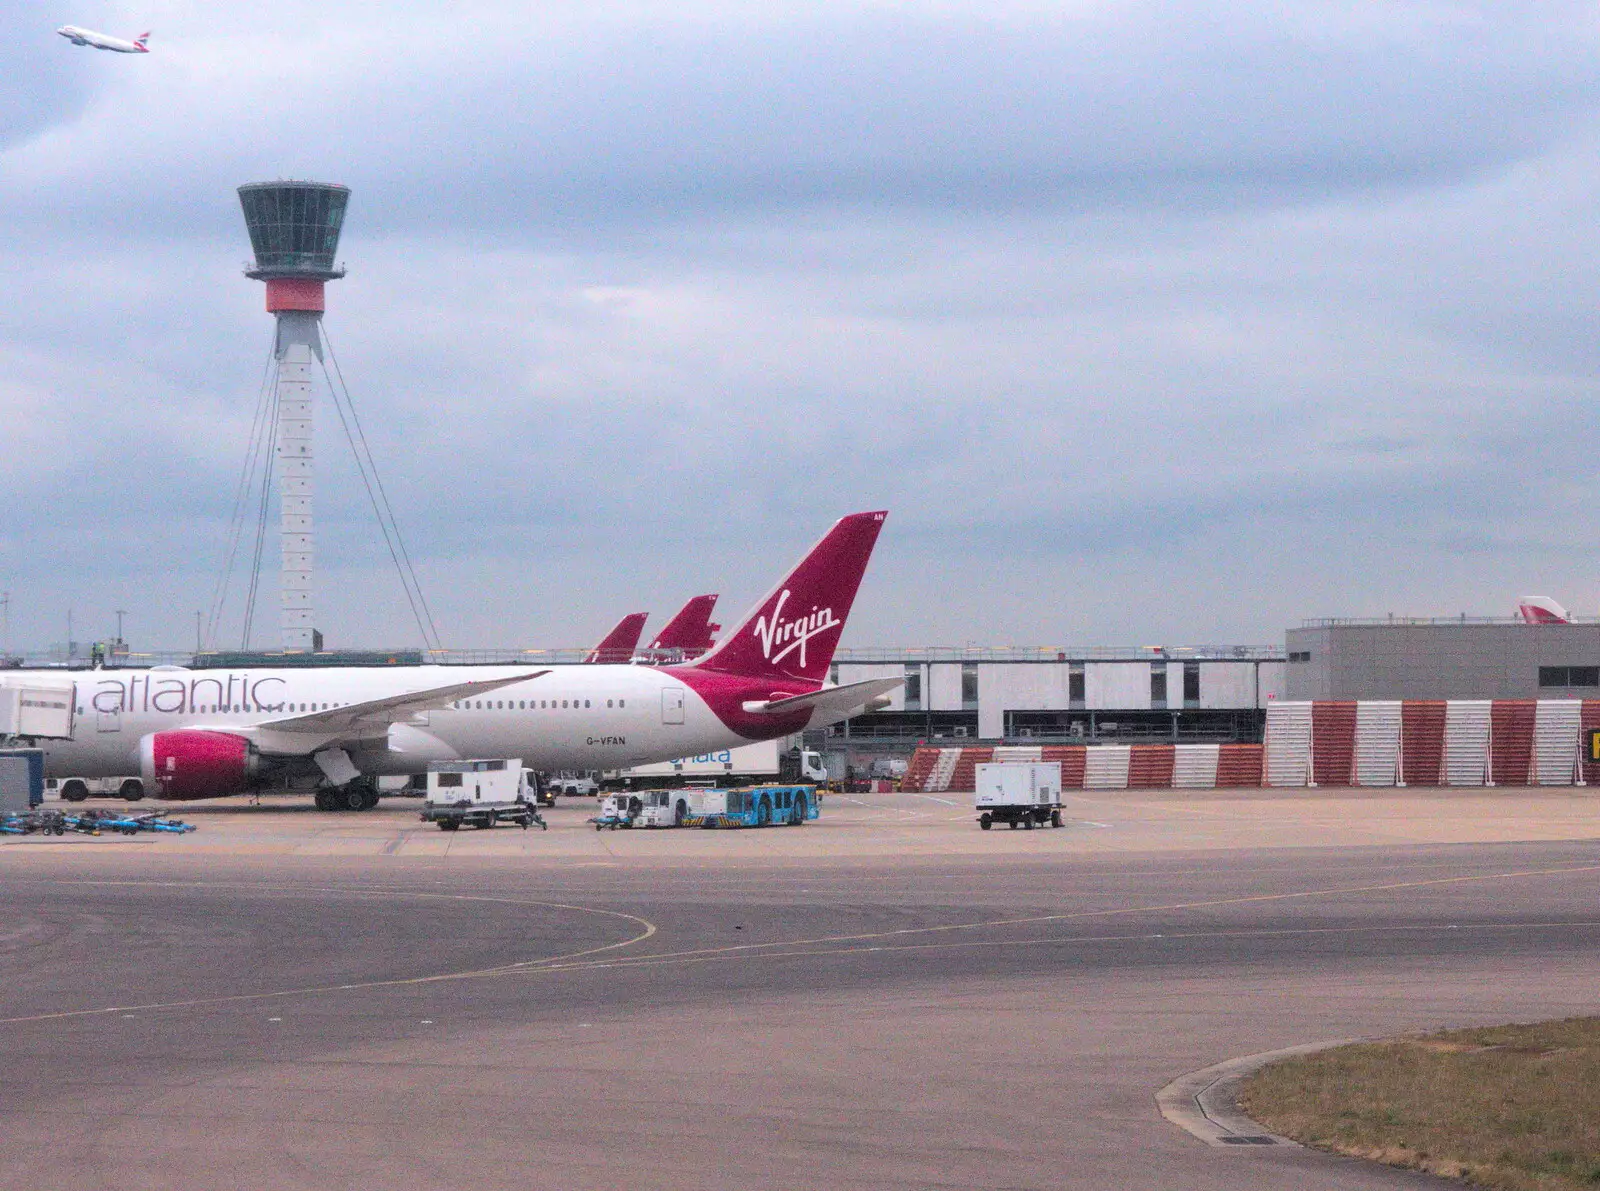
<point x="294" y="293"/>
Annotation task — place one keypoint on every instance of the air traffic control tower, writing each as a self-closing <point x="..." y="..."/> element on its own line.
<point x="294" y="230"/>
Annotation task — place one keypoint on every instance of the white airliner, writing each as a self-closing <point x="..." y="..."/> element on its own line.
<point x="207" y="733"/>
<point x="101" y="41"/>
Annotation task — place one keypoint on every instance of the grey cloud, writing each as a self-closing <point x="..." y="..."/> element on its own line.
<point x="43" y="83"/>
<point x="1236" y="323"/>
<point x="583" y="128"/>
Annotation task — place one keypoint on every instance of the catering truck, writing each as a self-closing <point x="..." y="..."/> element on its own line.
<point x="37" y="707"/>
<point x="479" y="794"/>
<point x="1020" y="794"/>
<point x="762" y="761"/>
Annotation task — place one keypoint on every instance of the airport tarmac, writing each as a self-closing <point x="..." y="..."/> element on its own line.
<point x="885" y="998"/>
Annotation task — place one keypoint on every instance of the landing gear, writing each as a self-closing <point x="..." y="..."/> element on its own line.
<point x="359" y="795"/>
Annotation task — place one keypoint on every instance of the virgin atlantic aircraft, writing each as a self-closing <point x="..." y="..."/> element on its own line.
<point x="208" y="733"/>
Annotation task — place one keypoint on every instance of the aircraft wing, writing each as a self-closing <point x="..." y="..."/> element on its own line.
<point x="359" y="720"/>
<point x="832" y="700"/>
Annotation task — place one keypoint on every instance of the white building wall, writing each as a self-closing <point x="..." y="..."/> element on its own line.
<point x="897" y="697"/>
<point x="1017" y="687"/>
<point x="1227" y="684"/>
<point x="1273" y="677"/>
<point x="944" y="686"/>
<point x="1120" y="686"/>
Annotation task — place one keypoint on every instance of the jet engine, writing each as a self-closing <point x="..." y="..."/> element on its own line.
<point x="197" y="763"/>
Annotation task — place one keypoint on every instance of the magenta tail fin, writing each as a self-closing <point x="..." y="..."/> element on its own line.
<point x="618" y="645"/>
<point x="790" y="635"/>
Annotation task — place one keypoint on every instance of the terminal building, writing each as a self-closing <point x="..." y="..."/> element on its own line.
<point x="1459" y="658"/>
<point x="1056" y="695"/>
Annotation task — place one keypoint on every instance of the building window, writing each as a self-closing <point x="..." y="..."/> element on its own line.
<point x="969" y="685"/>
<point x="1300" y="655"/>
<point x="1564" y="676"/>
<point x="1191" y="683"/>
<point x="913" y="688"/>
<point x="1158" y="684"/>
<point x="1075" y="684"/>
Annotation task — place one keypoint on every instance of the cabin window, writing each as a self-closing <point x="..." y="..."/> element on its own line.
<point x="608" y="702"/>
<point x="586" y="703"/>
<point x="622" y="702"/>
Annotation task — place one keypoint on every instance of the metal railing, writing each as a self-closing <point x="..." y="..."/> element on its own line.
<point x="571" y="655"/>
<point x="1335" y="622"/>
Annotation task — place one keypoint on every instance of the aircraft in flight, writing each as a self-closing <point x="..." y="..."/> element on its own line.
<point x="102" y="41"/>
<point x="207" y="733"/>
<point x="616" y="647"/>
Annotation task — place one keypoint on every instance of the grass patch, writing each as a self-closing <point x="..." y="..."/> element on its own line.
<point x="1512" y="1107"/>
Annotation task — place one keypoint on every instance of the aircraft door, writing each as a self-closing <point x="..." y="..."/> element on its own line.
<point x="672" y="705"/>
<point x="109" y="721"/>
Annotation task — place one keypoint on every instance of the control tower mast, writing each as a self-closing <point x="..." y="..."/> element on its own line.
<point x="294" y="230"/>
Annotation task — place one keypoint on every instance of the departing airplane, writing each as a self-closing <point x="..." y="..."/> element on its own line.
<point x="690" y="633"/>
<point x="206" y="733"/>
<point x="101" y="41"/>
<point x="1542" y="610"/>
<point x="616" y="647"/>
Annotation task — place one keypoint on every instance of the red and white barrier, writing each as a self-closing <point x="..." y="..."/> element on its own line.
<point x="1457" y="742"/>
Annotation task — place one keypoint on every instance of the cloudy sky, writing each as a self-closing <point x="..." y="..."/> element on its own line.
<point x="1149" y="322"/>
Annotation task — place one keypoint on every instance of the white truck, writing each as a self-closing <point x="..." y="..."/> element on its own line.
<point x="761" y="761"/>
<point x="662" y="808"/>
<point x="1022" y="794"/>
<point x="479" y="794"/>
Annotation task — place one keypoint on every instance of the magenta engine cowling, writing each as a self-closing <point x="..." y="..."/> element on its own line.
<point x="197" y="763"/>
